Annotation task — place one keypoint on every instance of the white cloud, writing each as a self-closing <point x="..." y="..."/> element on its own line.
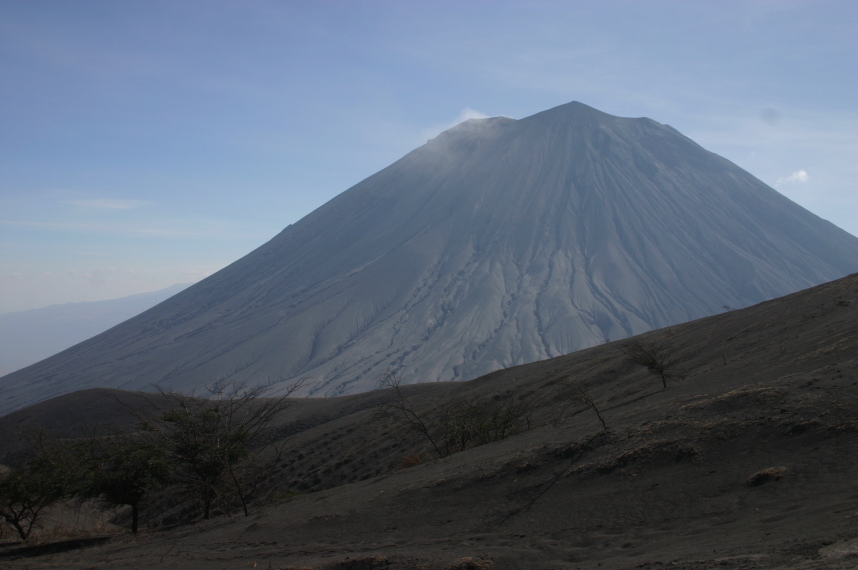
<point x="107" y="204"/>
<point x="797" y="177"/>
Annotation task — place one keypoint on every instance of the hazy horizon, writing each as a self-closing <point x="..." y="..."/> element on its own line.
<point x="177" y="286"/>
<point x="26" y="337"/>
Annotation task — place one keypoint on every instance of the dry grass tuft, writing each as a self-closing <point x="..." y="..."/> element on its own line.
<point x="469" y="563"/>
<point x="745" y="397"/>
<point x="766" y="475"/>
<point x="411" y="461"/>
<point x="368" y="563"/>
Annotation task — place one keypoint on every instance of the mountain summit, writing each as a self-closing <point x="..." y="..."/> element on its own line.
<point x="497" y="243"/>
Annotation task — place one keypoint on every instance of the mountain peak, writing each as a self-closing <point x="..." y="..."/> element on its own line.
<point x="575" y="109"/>
<point x="578" y="115"/>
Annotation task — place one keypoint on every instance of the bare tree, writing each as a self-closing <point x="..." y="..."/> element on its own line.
<point x="470" y="422"/>
<point x="29" y="488"/>
<point x="574" y="389"/>
<point x="461" y="423"/>
<point x="209" y="441"/>
<point x="120" y="469"/>
<point x="655" y="356"/>
<point x="400" y="408"/>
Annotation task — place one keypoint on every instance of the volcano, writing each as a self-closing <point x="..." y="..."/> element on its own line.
<point x="497" y="243"/>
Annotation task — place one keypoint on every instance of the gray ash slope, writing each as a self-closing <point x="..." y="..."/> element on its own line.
<point x="497" y="243"/>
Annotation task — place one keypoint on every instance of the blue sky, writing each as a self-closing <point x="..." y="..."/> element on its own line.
<point x="146" y="143"/>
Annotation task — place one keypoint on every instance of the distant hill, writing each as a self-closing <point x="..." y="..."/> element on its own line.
<point x="499" y="242"/>
<point x="29" y="336"/>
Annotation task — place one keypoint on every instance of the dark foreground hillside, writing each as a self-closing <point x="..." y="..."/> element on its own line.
<point x="747" y="460"/>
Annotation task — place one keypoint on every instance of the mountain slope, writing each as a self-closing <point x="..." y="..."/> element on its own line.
<point x="498" y="242"/>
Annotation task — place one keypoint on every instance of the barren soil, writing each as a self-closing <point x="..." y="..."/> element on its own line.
<point x="747" y="460"/>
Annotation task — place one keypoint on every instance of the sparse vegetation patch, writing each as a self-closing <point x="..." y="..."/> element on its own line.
<point x="765" y="476"/>
<point x="28" y="490"/>
<point x="460" y="424"/>
<point x="656" y="356"/>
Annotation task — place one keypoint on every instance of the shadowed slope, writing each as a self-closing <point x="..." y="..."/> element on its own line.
<point x="497" y="243"/>
<point x="747" y="461"/>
